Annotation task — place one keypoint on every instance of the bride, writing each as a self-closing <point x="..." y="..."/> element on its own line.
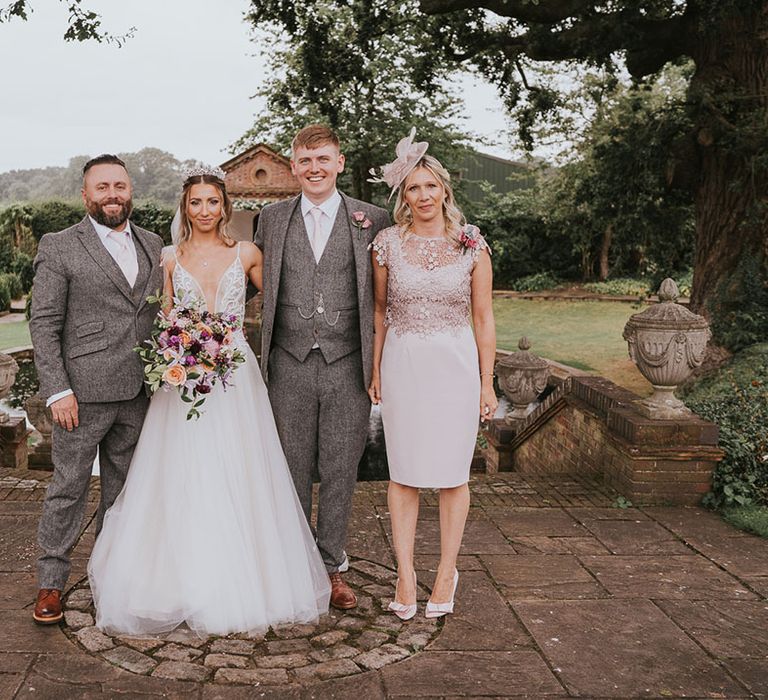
<point x="208" y="529"/>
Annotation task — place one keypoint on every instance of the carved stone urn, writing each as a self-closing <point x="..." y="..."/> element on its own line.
<point x="8" y="370"/>
<point x="40" y="416"/>
<point x="666" y="342"/>
<point x="522" y="377"/>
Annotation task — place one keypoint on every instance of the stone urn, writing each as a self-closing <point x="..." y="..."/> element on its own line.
<point x="522" y="377"/>
<point x="666" y="342"/>
<point x="42" y="419"/>
<point x="8" y="370"/>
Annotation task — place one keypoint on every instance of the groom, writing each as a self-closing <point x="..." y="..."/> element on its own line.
<point x="317" y="336"/>
<point x="89" y="311"/>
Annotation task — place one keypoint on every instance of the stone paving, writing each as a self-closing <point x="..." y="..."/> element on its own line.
<point x="561" y="595"/>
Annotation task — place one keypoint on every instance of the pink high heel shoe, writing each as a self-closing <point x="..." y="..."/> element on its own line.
<point x="403" y="611"/>
<point x="440" y="609"/>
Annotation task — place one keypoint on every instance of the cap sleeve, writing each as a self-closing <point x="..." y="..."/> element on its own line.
<point x="381" y="246"/>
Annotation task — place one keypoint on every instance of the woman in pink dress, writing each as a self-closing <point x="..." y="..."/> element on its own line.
<point x="432" y="375"/>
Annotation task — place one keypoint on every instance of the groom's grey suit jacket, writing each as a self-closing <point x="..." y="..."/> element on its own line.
<point x="280" y="233"/>
<point x="86" y="319"/>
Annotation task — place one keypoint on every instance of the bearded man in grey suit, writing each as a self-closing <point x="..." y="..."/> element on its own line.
<point x="317" y="336"/>
<point x="89" y="310"/>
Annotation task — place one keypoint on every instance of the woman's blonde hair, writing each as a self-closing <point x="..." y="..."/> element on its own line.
<point x="454" y="219"/>
<point x="185" y="228"/>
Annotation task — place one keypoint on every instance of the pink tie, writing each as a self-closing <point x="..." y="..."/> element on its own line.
<point x="124" y="258"/>
<point x="314" y="238"/>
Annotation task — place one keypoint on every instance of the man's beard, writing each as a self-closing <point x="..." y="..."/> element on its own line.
<point x="95" y="209"/>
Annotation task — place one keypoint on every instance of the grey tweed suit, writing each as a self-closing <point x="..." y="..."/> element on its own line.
<point x="85" y="322"/>
<point x="319" y="396"/>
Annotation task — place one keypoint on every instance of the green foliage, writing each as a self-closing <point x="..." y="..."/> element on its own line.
<point x="21" y="265"/>
<point x="155" y="218"/>
<point x="621" y="286"/>
<point x="539" y="282"/>
<point x="752" y="519"/>
<point x="11" y="281"/>
<point x="739" y="308"/>
<point x="354" y="66"/>
<point x="736" y="399"/>
<point x="5" y="294"/>
<point x="54" y="215"/>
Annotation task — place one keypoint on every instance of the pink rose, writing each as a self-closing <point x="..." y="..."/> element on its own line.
<point x="367" y="223"/>
<point x="359" y="216"/>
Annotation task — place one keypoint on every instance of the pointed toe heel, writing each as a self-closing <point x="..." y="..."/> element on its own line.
<point x="403" y="610"/>
<point x="440" y="609"/>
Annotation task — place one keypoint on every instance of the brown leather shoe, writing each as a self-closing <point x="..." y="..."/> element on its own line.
<point x="342" y="596"/>
<point x="48" y="607"/>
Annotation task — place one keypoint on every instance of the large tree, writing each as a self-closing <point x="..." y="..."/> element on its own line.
<point x="351" y="65"/>
<point x="723" y="158"/>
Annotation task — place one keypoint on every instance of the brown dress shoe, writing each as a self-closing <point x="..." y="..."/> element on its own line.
<point x="342" y="596"/>
<point x="48" y="607"/>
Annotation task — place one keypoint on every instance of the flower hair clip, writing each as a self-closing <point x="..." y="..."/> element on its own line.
<point x="202" y="169"/>
<point x="408" y="155"/>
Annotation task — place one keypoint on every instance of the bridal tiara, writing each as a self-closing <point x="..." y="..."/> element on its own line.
<point x="201" y="169"/>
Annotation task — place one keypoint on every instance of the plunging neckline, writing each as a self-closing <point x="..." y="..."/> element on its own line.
<point x="218" y="284"/>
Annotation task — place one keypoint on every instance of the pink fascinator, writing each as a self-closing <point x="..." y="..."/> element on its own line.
<point x="408" y="155"/>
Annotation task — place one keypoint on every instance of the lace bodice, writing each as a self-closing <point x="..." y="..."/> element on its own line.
<point x="230" y="291"/>
<point x="428" y="281"/>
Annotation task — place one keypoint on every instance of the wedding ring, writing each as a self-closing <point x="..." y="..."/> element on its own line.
<point x="487" y="409"/>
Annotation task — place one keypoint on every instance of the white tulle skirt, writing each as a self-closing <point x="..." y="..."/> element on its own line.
<point x="208" y="529"/>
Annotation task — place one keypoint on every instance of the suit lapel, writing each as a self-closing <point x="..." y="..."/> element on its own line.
<point x="95" y="248"/>
<point x="146" y="264"/>
<point x="278" y="243"/>
<point x="359" y="248"/>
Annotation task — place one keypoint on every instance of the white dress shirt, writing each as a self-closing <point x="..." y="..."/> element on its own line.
<point x="329" y="209"/>
<point x="113" y="249"/>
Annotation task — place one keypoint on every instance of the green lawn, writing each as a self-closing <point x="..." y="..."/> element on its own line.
<point x="582" y="334"/>
<point x="13" y="334"/>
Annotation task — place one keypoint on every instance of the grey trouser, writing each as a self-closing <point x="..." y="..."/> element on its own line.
<point x="322" y="413"/>
<point x="114" y="429"/>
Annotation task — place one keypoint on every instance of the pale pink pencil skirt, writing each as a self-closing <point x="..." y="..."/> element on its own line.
<point x="430" y="397"/>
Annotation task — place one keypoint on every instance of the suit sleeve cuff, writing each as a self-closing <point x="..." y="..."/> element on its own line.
<point x="56" y="397"/>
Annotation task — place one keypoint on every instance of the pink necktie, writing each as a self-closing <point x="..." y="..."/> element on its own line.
<point x="314" y="238"/>
<point x="124" y="258"/>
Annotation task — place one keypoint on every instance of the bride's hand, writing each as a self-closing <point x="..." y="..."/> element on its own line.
<point x="374" y="390"/>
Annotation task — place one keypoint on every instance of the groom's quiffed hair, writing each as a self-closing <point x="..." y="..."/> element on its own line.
<point x="104" y="158"/>
<point x="314" y="136"/>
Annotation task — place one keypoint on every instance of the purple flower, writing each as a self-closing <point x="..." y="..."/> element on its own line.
<point x="203" y="388"/>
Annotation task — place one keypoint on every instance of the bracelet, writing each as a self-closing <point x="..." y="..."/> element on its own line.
<point x="487" y="374"/>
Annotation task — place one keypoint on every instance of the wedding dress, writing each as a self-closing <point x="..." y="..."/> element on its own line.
<point x="208" y="529"/>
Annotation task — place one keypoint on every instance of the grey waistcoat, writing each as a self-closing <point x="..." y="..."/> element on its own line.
<point x="317" y="302"/>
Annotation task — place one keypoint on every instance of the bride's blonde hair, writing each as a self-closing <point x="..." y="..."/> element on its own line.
<point x="185" y="228"/>
<point x="454" y="219"/>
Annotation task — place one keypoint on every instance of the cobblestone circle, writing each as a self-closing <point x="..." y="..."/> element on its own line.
<point x="342" y="643"/>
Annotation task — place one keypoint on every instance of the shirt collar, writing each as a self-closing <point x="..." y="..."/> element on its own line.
<point x="104" y="231"/>
<point x="329" y="207"/>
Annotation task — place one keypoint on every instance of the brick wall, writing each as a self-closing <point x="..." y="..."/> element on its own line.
<point x="589" y="426"/>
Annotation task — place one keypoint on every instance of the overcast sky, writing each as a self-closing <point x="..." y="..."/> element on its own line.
<point x="182" y="84"/>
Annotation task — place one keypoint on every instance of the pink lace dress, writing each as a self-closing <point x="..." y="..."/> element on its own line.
<point x="430" y="378"/>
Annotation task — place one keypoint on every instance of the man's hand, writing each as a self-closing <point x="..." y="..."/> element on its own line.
<point x="65" y="412"/>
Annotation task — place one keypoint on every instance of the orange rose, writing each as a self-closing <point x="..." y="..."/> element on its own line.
<point x="175" y="375"/>
<point x="185" y="338"/>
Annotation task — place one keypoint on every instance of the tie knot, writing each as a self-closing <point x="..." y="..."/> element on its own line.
<point x="119" y="237"/>
<point x="316" y="212"/>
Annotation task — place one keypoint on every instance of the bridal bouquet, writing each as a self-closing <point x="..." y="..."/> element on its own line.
<point x="190" y="350"/>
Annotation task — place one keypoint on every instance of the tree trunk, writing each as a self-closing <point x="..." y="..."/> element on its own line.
<point x="730" y="89"/>
<point x="605" y="248"/>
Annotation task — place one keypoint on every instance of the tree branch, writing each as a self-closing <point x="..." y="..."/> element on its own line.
<point x="542" y="12"/>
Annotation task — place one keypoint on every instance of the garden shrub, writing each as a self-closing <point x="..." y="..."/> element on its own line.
<point x="21" y="265"/>
<point x="621" y="286"/>
<point x="54" y="215"/>
<point x="736" y="399"/>
<point x="538" y="282"/>
<point x="13" y="283"/>
<point x="5" y="294"/>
